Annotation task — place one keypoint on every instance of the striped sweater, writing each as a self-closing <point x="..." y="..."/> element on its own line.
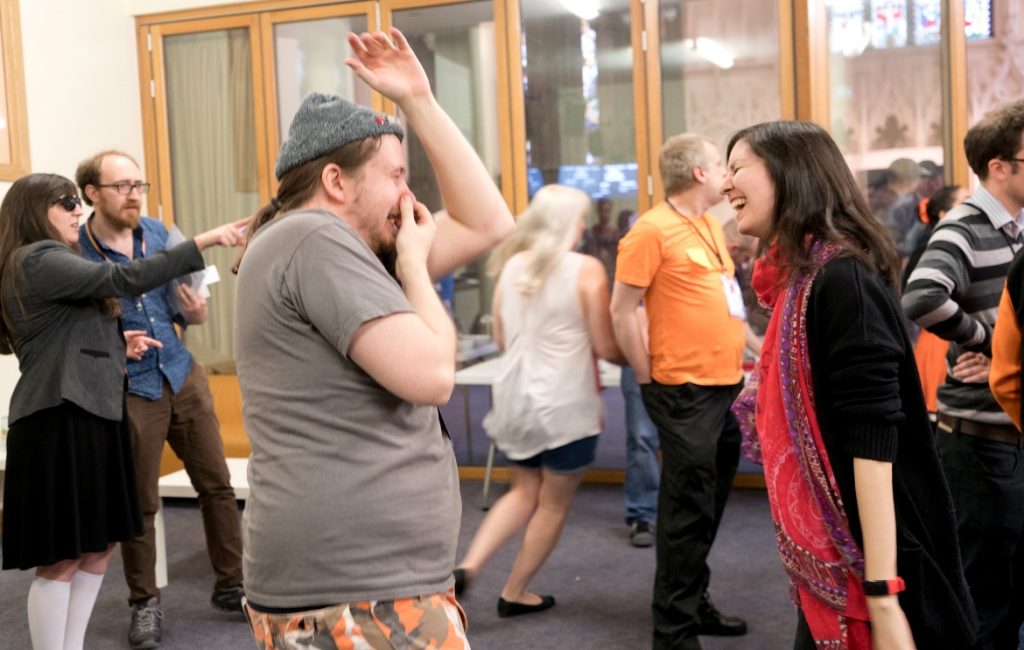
<point x="954" y="292"/>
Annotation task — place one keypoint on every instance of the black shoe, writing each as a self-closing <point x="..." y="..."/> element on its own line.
<point x="640" y="534"/>
<point x="507" y="608"/>
<point x="146" y="630"/>
<point x="461" y="581"/>
<point x="714" y="623"/>
<point x="228" y="599"/>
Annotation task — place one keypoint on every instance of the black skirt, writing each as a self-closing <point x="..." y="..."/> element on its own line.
<point x="69" y="487"/>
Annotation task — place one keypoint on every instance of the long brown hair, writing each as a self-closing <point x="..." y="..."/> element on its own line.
<point x="816" y="196"/>
<point x="24" y="220"/>
<point x="299" y="184"/>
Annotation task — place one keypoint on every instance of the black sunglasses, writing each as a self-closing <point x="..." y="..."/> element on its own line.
<point x="69" y="202"/>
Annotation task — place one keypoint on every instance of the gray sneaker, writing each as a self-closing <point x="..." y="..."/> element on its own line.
<point x="640" y="534"/>
<point x="146" y="629"/>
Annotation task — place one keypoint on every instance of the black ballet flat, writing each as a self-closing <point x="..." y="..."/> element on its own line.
<point x="507" y="608"/>
<point x="461" y="581"/>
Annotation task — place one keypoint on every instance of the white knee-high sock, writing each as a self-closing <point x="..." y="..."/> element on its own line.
<point x="48" y="613"/>
<point x="84" y="589"/>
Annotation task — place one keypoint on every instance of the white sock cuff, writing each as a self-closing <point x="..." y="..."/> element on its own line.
<point x="51" y="585"/>
<point x="86" y="578"/>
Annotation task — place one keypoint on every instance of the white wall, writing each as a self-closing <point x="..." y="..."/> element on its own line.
<point x="82" y="93"/>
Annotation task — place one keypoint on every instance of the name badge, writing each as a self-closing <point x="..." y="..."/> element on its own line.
<point x="734" y="297"/>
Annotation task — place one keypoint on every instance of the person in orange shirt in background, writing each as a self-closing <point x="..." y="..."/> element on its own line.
<point x="930" y="350"/>
<point x="1005" y="376"/>
<point x="676" y="260"/>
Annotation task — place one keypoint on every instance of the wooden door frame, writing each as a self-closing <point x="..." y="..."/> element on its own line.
<point x="268" y="65"/>
<point x="510" y="181"/>
<point x="156" y="129"/>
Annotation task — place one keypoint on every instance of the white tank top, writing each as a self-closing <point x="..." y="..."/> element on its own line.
<point x="558" y="356"/>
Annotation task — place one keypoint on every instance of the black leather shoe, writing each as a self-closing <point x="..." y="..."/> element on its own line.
<point x="714" y="623"/>
<point x="461" y="581"/>
<point x="507" y="608"/>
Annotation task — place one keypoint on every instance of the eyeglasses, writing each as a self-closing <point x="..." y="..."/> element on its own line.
<point x="69" y="202"/>
<point x="1013" y="160"/>
<point x="125" y="188"/>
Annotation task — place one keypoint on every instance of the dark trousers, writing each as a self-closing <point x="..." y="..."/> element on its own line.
<point x="187" y="422"/>
<point x="986" y="480"/>
<point x="700" y="447"/>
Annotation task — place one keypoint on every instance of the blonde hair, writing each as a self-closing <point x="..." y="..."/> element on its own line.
<point x="677" y="159"/>
<point x="546" y="228"/>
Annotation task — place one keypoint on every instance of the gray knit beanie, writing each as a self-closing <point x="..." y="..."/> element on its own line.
<point x="324" y="123"/>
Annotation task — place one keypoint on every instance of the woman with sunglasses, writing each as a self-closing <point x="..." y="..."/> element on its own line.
<point x="69" y="490"/>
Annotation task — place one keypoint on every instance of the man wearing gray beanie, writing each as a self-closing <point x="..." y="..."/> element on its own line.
<point x="353" y="517"/>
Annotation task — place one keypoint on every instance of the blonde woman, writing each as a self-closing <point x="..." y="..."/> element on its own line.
<point x="551" y="319"/>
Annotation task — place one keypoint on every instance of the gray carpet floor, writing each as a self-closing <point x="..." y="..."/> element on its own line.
<point x="602" y="584"/>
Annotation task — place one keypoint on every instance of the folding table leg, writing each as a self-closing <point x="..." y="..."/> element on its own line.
<point x="487" y="477"/>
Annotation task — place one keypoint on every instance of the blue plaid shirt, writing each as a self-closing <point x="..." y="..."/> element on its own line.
<point x="152" y="311"/>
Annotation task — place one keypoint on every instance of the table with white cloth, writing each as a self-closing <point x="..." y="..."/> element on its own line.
<point x="179" y="485"/>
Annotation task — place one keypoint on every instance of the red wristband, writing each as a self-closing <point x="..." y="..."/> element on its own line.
<point x="884" y="587"/>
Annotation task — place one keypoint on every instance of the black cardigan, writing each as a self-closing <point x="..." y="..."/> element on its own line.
<point x="870" y="405"/>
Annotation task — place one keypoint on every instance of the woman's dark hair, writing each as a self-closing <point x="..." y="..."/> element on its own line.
<point x="299" y="184"/>
<point x="940" y="203"/>
<point x="816" y="197"/>
<point x="24" y="220"/>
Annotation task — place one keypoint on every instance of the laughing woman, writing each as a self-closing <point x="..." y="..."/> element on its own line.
<point x="862" y="513"/>
<point x="69" y="490"/>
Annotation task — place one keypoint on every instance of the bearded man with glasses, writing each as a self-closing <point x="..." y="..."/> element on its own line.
<point x="168" y="395"/>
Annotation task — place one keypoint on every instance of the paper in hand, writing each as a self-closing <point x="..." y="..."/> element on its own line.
<point x="197" y="281"/>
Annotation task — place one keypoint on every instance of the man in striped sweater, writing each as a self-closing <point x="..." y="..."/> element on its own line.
<point x="954" y="293"/>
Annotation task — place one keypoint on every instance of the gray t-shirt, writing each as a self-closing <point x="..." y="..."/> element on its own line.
<point x="354" y="491"/>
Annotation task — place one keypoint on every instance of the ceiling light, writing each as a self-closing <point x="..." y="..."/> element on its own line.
<point x="585" y="9"/>
<point x="711" y="50"/>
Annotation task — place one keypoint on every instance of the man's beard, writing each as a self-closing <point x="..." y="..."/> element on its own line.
<point x="388" y="256"/>
<point x="125" y="220"/>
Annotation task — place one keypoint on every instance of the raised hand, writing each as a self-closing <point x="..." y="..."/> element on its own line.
<point x="230" y="234"/>
<point x="389" y="66"/>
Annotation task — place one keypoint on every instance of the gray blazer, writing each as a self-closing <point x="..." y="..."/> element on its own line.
<point x="67" y="348"/>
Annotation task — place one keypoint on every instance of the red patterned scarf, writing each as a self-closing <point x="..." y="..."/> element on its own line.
<point x="777" y="414"/>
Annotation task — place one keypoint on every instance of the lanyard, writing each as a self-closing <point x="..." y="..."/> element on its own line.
<point x="99" y="249"/>
<point x="711" y="245"/>
<point x="96" y="243"/>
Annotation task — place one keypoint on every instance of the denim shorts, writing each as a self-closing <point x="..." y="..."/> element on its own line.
<point x="567" y="458"/>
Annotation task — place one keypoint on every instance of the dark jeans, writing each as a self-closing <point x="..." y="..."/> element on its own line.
<point x="187" y="422"/>
<point x="700" y="447"/>
<point x="986" y="480"/>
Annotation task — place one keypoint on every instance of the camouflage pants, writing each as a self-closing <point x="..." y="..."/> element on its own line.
<point x="432" y="622"/>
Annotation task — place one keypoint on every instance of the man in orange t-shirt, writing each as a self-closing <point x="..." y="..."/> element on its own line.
<point x="1005" y="375"/>
<point x="675" y="259"/>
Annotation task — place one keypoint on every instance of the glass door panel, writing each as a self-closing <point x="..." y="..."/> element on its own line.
<point x="719" y="66"/>
<point x="995" y="76"/>
<point x="456" y="45"/>
<point x="212" y="151"/>
<point x="580" y="119"/>
<point x="886" y="101"/>
<point x="309" y="55"/>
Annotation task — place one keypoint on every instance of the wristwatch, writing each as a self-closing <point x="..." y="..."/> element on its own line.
<point x="884" y="587"/>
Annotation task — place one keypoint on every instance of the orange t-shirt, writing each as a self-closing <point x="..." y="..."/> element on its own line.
<point x="1004" y="377"/>
<point x="681" y="261"/>
<point x="930" y="354"/>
